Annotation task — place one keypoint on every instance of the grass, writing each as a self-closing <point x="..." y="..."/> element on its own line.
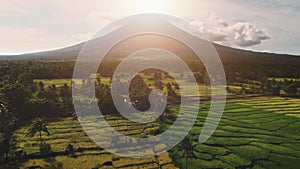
<point x="253" y="133"/>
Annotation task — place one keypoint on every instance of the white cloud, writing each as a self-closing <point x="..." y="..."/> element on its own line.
<point x="242" y="34"/>
<point x="216" y="34"/>
<point x="214" y="19"/>
<point x="246" y="34"/>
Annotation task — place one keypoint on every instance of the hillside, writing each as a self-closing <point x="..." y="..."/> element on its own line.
<point x="226" y="54"/>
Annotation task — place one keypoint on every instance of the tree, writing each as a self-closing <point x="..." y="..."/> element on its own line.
<point x="291" y="89"/>
<point x="189" y="149"/>
<point x="41" y="86"/>
<point x="45" y="150"/>
<point x="70" y="150"/>
<point x="7" y="145"/>
<point x="7" y="118"/>
<point x="25" y="78"/>
<point x="158" y="84"/>
<point x="139" y="92"/>
<point x="53" y="100"/>
<point x="171" y="93"/>
<point x="105" y="101"/>
<point x="16" y="96"/>
<point x="7" y="142"/>
<point x="157" y="76"/>
<point x="276" y="90"/>
<point x="138" y="87"/>
<point x="65" y="94"/>
<point x="98" y="80"/>
<point x="38" y="126"/>
<point x="243" y="89"/>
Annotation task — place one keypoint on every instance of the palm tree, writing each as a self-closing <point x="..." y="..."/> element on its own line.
<point x="38" y="125"/>
<point x="189" y="149"/>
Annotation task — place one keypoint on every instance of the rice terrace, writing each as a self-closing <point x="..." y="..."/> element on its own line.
<point x="256" y="133"/>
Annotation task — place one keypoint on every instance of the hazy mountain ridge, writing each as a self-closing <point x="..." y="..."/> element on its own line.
<point x="227" y="54"/>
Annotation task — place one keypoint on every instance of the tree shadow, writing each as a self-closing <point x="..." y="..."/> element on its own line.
<point x="52" y="163"/>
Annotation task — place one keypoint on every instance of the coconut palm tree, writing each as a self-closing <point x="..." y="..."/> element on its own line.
<point x="189" y="149"/>
<point x="38" y="126"/>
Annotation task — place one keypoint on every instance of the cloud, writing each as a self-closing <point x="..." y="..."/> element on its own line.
<point x="246" y="34"/>
<point x="215" y="29"/>
<point x="242" y="34"/>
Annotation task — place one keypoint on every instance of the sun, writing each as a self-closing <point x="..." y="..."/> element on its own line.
<point x="150" y="6"/>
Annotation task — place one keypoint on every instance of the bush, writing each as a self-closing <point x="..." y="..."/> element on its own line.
<point x="45" y="150"/>
<point x="70" y="151"/>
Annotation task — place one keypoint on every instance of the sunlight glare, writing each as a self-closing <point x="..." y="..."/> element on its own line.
<point x="150" y="6"/>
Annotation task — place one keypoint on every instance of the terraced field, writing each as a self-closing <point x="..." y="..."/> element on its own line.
<point x="61" y="82"/>
<point x="262" y="132"/>
<point x="258" y="133"/>
<point x="88" y="154"/>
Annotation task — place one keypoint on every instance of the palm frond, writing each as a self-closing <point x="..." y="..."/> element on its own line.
<point x="38" y="125"/>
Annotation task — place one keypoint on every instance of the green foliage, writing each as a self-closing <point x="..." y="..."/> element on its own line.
<point x="189" y="149"/>
<point x="16" y="97"/>
<point x="291" y="89"/>
<point x="38" y="126"/>
<point x="105" y="101"/>
<point x="139" y="93"/>
<point x="70" y="150"/>
<point x="7" y="141"/>
<point x="45" y="150"/>
<point x="171" y="93"/>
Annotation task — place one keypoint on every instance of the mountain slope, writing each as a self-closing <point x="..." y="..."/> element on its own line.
<point x="226" y="54"/>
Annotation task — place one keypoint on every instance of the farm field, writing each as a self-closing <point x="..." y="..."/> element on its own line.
<point x="66" y="131"/>
<point x="61" y="82"/>
<point x="261" y="132"/>
<point x="204" y="90"/>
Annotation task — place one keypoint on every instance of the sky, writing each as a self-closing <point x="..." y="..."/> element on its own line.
<point x="34" y="25"/>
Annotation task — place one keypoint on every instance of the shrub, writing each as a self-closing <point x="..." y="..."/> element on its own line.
<point x="45" y="150"/>
<point x="70" y="151"/>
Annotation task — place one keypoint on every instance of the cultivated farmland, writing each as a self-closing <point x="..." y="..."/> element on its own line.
<point x="261" y="132"/>
<point x="66" y="131"/>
